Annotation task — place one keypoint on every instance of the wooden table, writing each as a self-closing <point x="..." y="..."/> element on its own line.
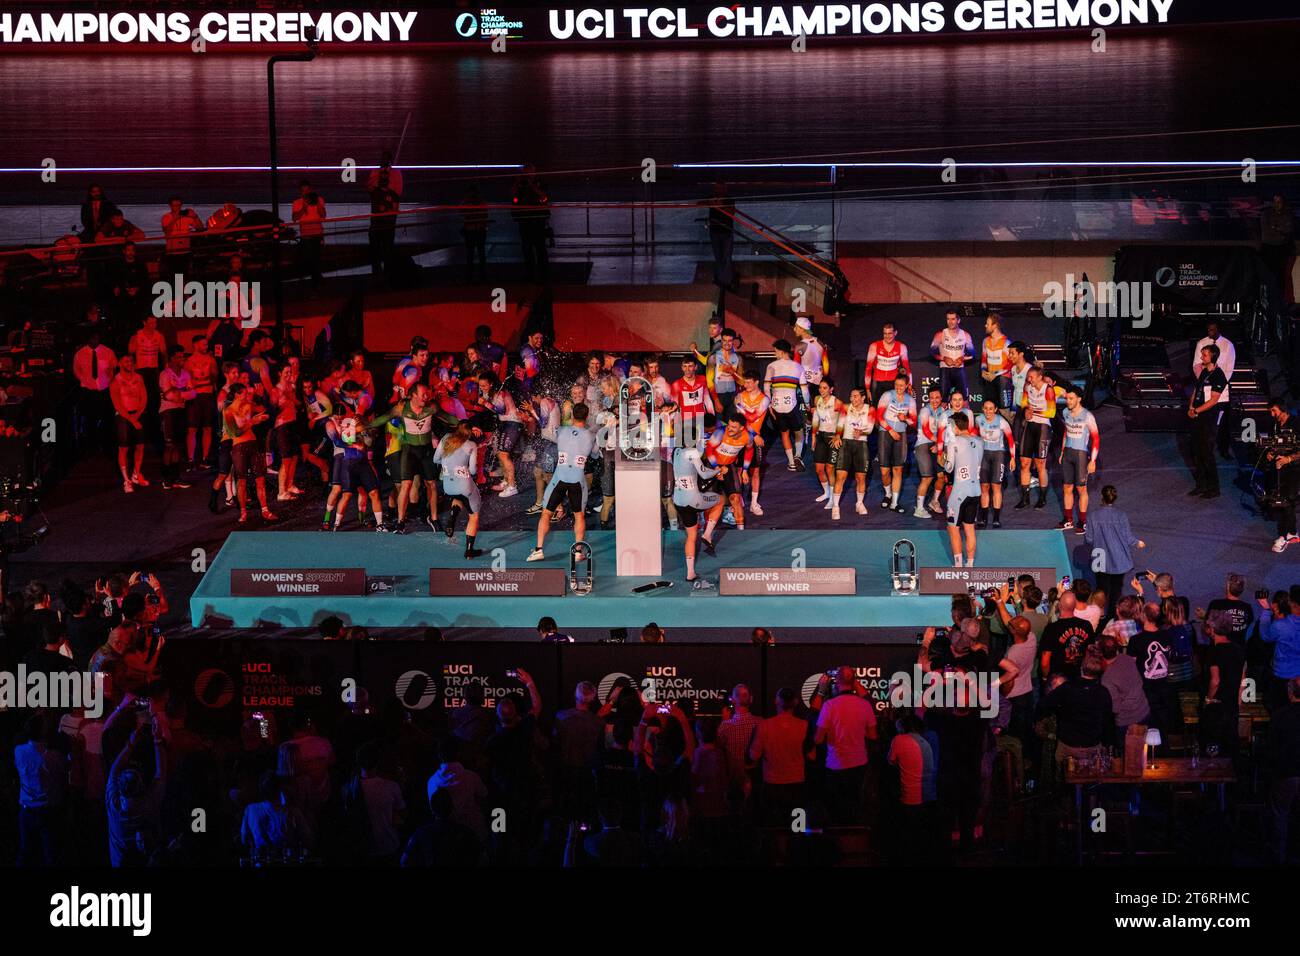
<point x="1253" y="713"/>
<point x="1167" y="770"/>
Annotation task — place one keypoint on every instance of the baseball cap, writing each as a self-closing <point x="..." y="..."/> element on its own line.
<point x="803" y="322"/>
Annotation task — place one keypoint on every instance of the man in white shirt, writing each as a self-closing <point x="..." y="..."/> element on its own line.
<point x="845" y="723"/>
<point x="1228" y="363"/>
<point x="94" y="365"/>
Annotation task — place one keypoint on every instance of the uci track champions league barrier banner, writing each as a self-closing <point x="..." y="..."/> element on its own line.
<point x="125" y="26"/>
<point x="231" y="686"/>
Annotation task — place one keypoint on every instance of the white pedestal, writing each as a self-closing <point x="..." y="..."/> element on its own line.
<point x="638" y="534"/>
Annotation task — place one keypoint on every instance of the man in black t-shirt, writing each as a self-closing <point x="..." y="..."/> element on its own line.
<point x="1225" y="661"/>
<point x="87" y="626"/>
<point x="48" y="658"/>
<point x="1240" y="614"/>
<point x="1205" y="412"/>
<point x="1064" y="640"/>
<point x="1151" y="648"/>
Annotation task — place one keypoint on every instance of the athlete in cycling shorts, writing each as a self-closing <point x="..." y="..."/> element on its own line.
<point x="455" y="455"/>
<point x="962" y="461"/>
<point x="1039" y="404"/>
<point x="857" y="422"/>
<point x="1078" y="459"/>
<point x="547" y="413"/>
<point x="689" y="472"/>
<point x="510" y="429"/>
<point x="956" y="407"/>
<point x="999" y="451"/>
<point x="574" y="444"/>
<point x="753" y="405"/>
<point x="415" y="421"/>
<point x="352" y="470"/>
<point x="895" y="413"/>
<point x="730" y="449"/>
<point x="931" y="423"/>
<point x="785" y="383"/>
<point x="827" y="410"/>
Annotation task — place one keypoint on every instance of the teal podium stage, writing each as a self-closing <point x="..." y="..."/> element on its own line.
<point x="402" y="562"/>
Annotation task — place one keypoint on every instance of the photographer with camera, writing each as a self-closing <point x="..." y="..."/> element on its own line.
<point x="309" y="213"/>
<point x="135" y="783"/>
<point x="177" y="225"/>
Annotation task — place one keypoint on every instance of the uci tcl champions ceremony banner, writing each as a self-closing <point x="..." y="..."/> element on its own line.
<point x="124" y="26"/>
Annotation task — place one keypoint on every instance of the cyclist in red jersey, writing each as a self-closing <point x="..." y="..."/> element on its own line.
<point x="887" y="358"/>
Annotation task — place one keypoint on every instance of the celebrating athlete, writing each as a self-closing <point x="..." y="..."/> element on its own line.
<point x="574" y="443"/>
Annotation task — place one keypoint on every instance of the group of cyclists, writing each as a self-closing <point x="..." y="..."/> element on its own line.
<point x="452" y="427"/>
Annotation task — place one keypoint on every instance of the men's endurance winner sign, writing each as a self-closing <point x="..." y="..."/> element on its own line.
<point x="960" y="580"/>
<point x="289" y="582"/>
<point x="786" y="582"/>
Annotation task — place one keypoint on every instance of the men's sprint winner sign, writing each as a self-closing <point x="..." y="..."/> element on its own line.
<point x="124" y="25"/>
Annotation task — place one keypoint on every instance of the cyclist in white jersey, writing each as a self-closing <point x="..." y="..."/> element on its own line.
<point x="857" y="422"/>
<point x="456" y="454"/>
<point x="963" y="458"/>
<point x="895" y="414"/>
<point x="999" y="461"/>
<point x="548" y="414"/>
<point x="1039" y="405"/>
<point x="574" y="445"/>
<point x="689" y="471"/>
<point x="931" y="423"/>
<point x="956" y="407"/>
<point x="1018" y="356"/>
<point x="785" y="383"/>
<point x="509" y="430"/>
<point x="952" y="347"/>
<point x="1078" y="460"/>
<point x="812" y="354"/>
<point x="827" y="410"/>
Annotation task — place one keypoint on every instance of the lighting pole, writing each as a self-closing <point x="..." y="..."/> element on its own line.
<point x="277" y="296"/>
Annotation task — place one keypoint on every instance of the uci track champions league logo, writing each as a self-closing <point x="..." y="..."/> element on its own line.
<point x="662" y="684"/>
<point x="416" y="689"/>
<point x="918" y="690"/>
<point x="488" y="23"/>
